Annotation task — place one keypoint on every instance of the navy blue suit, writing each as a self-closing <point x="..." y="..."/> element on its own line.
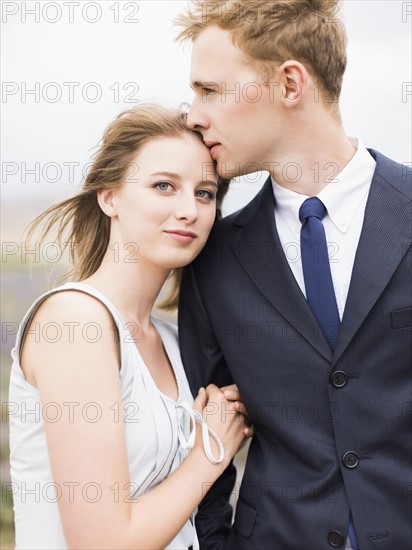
<point x="333" y="431"/>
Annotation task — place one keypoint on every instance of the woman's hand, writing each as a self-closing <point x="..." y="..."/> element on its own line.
<point x="223" y="418"/>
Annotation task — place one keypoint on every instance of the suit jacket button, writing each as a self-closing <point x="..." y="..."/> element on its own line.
<point x="336" y="539"/>
<point x="350" y="459"/>
<point x="338" y="379"/>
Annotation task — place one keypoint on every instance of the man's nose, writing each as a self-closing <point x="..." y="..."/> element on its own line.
<point x="196" y="117"/>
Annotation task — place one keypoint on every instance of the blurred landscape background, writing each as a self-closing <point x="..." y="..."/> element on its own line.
<point x="126" y="51"/>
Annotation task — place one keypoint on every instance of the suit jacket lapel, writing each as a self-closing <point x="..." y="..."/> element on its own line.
<point x="385" y="238"/>
<point x="258" y="249"/>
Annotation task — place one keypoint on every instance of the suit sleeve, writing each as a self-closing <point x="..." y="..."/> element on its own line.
<point x="204" y="364"/>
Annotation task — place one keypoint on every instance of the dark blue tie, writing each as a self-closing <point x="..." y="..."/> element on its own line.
<point x="320" y="293"/>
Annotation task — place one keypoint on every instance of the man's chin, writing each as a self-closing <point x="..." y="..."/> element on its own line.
<point x="229" y="170"/>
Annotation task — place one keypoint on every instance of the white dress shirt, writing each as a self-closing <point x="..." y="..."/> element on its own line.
<point x="345" y="199"/>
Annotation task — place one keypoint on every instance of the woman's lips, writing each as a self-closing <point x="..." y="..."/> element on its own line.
<point x="182" y="236"/>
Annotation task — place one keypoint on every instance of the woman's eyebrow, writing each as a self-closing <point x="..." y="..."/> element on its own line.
<point x="168" y="174"/>
<point x="177" y="176"/>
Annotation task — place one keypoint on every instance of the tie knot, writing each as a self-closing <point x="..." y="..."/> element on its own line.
<point x="312" y="207"/>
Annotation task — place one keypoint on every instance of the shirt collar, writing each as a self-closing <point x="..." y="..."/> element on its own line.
<point x="341" y="197"/>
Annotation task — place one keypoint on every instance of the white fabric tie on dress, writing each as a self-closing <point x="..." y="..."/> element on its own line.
<point x="188" y="443"/>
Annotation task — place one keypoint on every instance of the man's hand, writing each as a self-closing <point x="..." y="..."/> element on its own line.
<point x="231" y="393"/>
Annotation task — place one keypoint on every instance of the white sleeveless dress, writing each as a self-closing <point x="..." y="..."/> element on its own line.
<point x="155" y="443"/>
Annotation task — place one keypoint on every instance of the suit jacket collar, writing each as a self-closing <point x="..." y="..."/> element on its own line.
<point x="385" y="238"/>
<point x="258" y="249"/>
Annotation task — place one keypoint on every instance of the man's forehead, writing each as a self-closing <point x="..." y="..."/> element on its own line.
<point x="214" y="42"/>
<point x="213" y="56"/>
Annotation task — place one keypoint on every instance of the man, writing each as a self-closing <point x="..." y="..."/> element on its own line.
<point x="303" y="298"/>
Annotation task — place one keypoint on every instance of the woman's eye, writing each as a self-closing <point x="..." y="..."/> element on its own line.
<point x="207" y="91"/>
<point x="205" y="194"/>
<point x="163" y="185"/>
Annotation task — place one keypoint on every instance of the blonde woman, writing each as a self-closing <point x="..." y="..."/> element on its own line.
<point x="108" y="452"/>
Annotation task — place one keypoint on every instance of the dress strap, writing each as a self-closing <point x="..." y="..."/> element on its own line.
<point x="119" y="325"/>
<point x="207" y="432"/>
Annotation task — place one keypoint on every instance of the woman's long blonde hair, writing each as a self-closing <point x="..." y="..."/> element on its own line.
<point x="82" y="227"/>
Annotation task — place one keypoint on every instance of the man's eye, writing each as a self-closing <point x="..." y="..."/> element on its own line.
<point x="205" y="194"/>
<point x="163" y="185"/>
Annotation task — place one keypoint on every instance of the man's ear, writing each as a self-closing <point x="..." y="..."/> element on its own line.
<point x="295" y="79"/>
<point x="105" y="198"/>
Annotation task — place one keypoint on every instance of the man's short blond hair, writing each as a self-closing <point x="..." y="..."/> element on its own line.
<point x="270" y="32"/>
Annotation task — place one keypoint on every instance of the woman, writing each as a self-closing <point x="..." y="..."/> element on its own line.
<point x="108" y="453"/>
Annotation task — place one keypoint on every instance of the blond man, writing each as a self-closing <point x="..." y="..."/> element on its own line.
<point x="303" y="298"/>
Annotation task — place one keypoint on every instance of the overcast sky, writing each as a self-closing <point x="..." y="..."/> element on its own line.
<point x="86" y="61"/>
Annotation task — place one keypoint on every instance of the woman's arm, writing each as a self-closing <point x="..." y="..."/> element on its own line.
<point x="89" y="459"/>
